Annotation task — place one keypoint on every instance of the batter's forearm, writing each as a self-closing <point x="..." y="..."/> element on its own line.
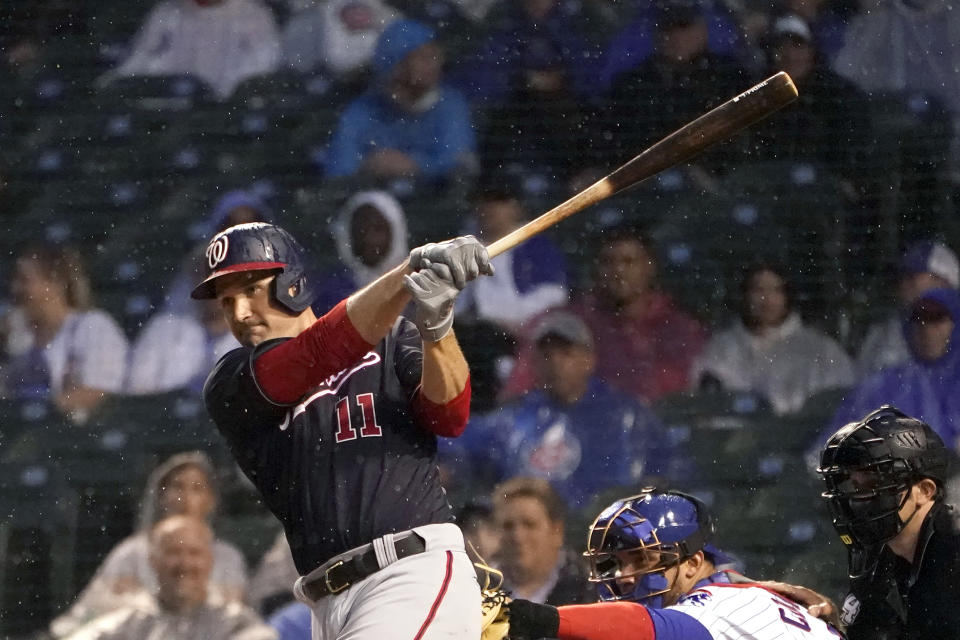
<point x="445" y="370"/>
<point x="375" y="308"/>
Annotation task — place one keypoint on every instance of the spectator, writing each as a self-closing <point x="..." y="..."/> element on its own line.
<point x="573" y="430"/>
<point x="178" y="351"/>
<point x="636" y="42"/>
<point x="925" y="265"/>
<point x="77" y="353"/>
<point x="904" y="45"/>
<point x="181" y="551"/>
<point x="408" y="123"/>
<point x="521" y="39"/>
<point x="535" y="563"/>
<point x="679" y="82"/>
<point x="925" y="386"/>
<point x="828" y="121"/>
<point x="370" y="233"/>
<point x="770" y="351"/>
<point x="234" y="207"/>
<point x="184" y="485"/>
<point x="644" y="344"/>
<point x="221" y="42"/>
<point x="529" y="279"/>
<point x="338" y="36"/>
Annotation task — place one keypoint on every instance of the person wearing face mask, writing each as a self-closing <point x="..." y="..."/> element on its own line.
<point x="658" y="578"/>
<point x="182" y="607"/>
<point x="885" y="475"/>
<point x="408" y="123"/>
<point x="183" y="485"/>
<point x="926" y="385"/>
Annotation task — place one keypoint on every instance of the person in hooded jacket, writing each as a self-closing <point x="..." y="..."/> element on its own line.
<point x="185" y="484"/>
<point x="925" y="386"/>
<point x="370" y="233"/>
<point x="408" y="124"/>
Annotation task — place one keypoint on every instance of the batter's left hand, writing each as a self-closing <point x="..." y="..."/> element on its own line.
<point x="433" y="297"/>
<point x="465" y="258"/>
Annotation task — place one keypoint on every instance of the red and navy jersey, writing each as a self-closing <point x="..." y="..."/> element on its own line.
<point x="345" y="464"/>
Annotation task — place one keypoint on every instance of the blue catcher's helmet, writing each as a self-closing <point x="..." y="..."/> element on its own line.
<point x="258" y="246"/>
<point x="666" y="527"/>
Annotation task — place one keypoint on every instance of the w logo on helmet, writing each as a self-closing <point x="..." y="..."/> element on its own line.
<point x="217" y="250"/>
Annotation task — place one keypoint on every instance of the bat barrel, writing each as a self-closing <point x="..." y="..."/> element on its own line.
<point x="681" y="145"/>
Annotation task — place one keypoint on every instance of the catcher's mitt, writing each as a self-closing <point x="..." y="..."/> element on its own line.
<point x="496" y="623"/>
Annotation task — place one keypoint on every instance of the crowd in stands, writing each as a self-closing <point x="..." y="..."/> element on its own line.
<point x="581" y="344"/>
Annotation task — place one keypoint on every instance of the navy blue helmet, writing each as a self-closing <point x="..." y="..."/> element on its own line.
<point x="670" y="526"/>
<point x="256" y="246"/>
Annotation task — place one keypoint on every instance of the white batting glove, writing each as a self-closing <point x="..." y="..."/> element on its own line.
<point x="465" y="258"/>
<point x="433" y="298"/>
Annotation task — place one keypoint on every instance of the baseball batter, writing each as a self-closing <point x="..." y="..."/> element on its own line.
<point x="657" y="578"/>
<point x="335" y="421"/>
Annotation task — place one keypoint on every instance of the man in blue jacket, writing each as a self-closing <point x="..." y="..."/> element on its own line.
<point x="574" y="430"/>
<point x="408" y="123"/>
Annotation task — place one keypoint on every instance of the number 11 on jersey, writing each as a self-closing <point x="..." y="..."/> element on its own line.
<point x="345" y="430"/>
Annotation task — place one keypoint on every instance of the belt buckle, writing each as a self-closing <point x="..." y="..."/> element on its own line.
<point x="326" y="579"/>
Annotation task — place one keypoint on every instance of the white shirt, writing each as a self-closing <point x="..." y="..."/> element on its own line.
<point x="744" y="612"/>
<point x="171" y="351"/>
<point x="221" y="44"/>
<point x="145" y="620"/>
<point x="91" y="349"/>
<point x="786" y="365"/>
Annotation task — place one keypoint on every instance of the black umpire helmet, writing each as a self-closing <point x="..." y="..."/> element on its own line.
<point x="869" y="467"/>
<point x="257" y="246"/>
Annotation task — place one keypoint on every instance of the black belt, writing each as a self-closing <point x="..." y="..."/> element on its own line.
<point x="343" y="573"/>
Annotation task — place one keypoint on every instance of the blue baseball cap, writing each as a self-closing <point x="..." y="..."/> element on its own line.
<point x="397" y="40"/>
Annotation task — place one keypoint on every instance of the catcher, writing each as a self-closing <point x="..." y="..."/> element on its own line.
<point x="657" y="577"/>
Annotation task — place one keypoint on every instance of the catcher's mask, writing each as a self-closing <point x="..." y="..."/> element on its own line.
<point x="634" y="541"/>
<point x="868" y="468"/>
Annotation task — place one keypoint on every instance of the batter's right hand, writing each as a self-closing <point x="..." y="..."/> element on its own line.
<point x="465" y="257"/>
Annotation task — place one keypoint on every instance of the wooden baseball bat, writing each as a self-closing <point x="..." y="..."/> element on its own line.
<point x="684" y="143"/>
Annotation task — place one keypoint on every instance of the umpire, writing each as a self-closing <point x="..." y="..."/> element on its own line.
<point x="885" y="486"/>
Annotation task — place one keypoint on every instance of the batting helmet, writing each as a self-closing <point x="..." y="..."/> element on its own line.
<point x="869" y="467"/>
<point x="257" y="246"/>
<point x="671" y="524"/>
